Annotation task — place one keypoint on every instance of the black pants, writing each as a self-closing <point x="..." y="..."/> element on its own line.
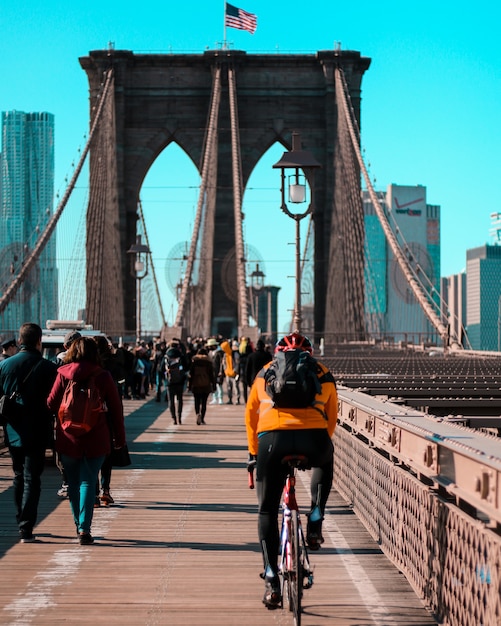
<point x="200" y="403"/>
<point x="28" y="465"/>
<point x="176" y="396"/>
<point x="271" y="474"/>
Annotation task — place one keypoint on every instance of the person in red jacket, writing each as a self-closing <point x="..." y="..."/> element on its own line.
<point x="272" y="434"/>
<point x="82" y="456"/>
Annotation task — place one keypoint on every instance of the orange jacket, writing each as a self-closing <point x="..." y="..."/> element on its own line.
<point x="261" y="415"/>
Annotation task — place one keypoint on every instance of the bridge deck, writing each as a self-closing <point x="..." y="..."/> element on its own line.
<point x="180" y="547"/>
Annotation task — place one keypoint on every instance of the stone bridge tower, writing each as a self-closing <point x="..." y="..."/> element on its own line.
<point x="158" y="99"/>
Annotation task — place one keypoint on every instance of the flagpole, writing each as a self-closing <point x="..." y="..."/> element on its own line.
<point x="224" y="22"/>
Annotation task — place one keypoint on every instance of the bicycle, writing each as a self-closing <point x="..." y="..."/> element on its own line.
<point x="295" y="571"/>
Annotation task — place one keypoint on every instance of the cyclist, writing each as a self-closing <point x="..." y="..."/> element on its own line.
<point x="274" y="433"/>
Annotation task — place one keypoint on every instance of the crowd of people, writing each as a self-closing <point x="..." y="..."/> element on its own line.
<point x="168" y="369"/>
<point x="230" y="370"/>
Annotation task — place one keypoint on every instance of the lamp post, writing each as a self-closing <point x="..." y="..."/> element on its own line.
<point x="257" y="284"/>
<point x="141" y="252"/>
<point x="296" y="160"/>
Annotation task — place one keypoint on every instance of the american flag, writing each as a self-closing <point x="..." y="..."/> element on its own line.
<point x="238" y="18"/>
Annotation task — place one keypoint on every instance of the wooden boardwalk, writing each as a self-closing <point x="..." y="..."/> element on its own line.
<point x="179" y="546"/>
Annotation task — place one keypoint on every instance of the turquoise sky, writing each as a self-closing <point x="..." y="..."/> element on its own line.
<point x="430" y="109"/>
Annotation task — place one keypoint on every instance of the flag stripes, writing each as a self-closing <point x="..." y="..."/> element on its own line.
<point x="238" y="18"/>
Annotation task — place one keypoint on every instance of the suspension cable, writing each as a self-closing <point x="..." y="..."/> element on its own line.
<point x="417" y="289"/>
<point x="11" y="290"/>
<point x="155" y="282"/>
<point x="208" y="154"/>
<point x="243" y="308"/>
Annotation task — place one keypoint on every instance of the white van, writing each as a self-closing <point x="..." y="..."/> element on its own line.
<point x="53" y="336"/>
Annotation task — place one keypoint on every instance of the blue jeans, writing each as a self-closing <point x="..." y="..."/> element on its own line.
<point x="81" y="475"/>
<point x="28" y="465"/>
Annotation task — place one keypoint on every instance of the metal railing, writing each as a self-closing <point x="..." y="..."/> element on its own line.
<point x="429" y="493"/>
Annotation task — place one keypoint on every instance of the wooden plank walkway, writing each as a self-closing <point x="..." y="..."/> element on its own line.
<point x="179" y="546"/>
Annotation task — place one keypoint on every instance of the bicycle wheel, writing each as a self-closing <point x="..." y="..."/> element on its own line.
<point x="296" y="574"/>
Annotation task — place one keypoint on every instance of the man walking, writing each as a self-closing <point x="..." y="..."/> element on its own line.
<point x="9" y="348"/>
<point x="26" y="434"/>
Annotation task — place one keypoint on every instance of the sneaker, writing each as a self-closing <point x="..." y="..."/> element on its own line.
<point x="27" y="536"/>
<point x="85" y="539"/>
<point x="220" y="402"/>
<point x="272" y="598"/>
<point x="62" y="492"/>
<point x="106" y="498"/>
<point x="314" y="537"/>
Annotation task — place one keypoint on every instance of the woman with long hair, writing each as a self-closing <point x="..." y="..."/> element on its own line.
<point x="83" y="454"/>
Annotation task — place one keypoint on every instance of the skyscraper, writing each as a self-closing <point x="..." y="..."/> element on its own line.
<point x="483" y="297"/>
<point x="391" y="307"/>
<point x="26" y="205"/>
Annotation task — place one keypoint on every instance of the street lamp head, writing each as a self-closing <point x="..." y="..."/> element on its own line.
<point x="297" y="158"/>
<point x="138" y="247"/>
<point x="257" y="278"/>
<point x="301" y="162"/>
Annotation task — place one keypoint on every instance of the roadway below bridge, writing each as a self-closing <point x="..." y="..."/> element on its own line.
<point x="179" y="546"/>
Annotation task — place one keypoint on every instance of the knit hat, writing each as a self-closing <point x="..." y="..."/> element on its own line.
<point x="70" y="337"/>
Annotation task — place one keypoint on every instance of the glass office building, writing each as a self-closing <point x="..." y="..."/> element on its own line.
<point x="26" y="205"/>
<point x="390" y="305"/>
<point x="483" y="297"/>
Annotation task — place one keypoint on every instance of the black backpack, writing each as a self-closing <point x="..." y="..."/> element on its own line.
<point x="174" y="371"/>
<point x="292" y="381"/>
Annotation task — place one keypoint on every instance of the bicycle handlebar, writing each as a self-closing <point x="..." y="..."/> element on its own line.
<point x="251" y="478"/>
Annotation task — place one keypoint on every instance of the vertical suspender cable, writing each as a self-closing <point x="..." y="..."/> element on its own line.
<point x="390" y="236"/>
<point x="243" y="305"/>
<point x="209" y="148"/>
<point x="155" y="282"/>
<point x="11" y="290"/>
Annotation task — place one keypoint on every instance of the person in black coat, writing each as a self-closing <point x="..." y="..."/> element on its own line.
<point x="27" y="435"/>
<point x="256" y="361"/>
<point x="176" y="372"/>
<point x="201" y="382"/>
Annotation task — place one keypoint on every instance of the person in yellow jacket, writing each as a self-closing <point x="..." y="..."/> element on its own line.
<point x="272" y="434"/>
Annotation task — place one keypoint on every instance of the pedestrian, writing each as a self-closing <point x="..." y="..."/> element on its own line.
<point x="256" y="361"/>
<point x="109" y="363"/>
<point x="201" y="382"/>
<point x="9" y="348"/>
<point x="274" y="433"/>
<point x="216" y="356"/>
<point x="230" y="373"/>
<point x="245" y="349"/>
<point x="159" y="370"/>
<point x="26" y="437"/>
<point x="176" y="373"/>
<point x="140" y="376"/>
<point x="69" y="338"/>
<point x="82" y="456"/>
